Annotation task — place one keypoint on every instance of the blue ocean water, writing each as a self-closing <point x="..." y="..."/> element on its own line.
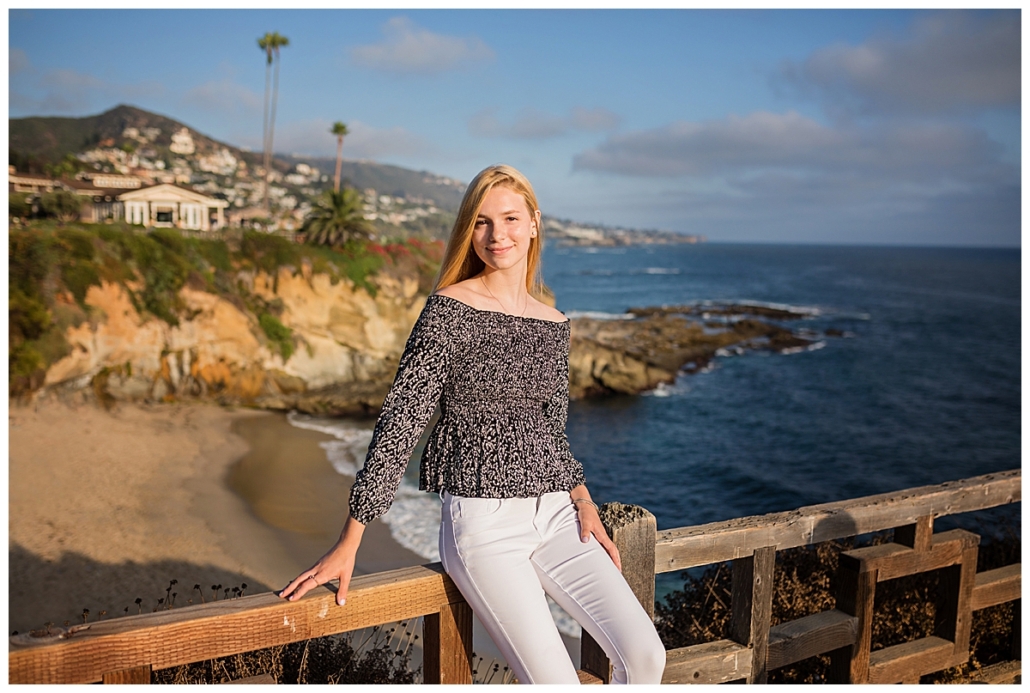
<point x="924" y="388"/>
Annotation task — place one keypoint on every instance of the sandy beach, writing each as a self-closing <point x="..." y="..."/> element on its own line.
<point x="106" y="507"/>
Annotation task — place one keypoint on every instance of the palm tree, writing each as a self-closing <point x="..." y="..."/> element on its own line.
<point x="340" y="130"/>
<point x="336" y="218"/>
<point x="270" y="44"/>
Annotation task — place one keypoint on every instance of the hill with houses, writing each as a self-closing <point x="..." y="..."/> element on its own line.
<point x="127" y="147"/>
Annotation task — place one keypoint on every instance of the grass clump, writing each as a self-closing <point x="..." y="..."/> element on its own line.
<point x="278" y="334"/>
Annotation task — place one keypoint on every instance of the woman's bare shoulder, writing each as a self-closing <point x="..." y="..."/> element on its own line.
<point x="463" y="291"/>
<point x="544" y="311"/>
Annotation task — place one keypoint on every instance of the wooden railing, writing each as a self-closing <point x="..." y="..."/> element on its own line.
<point x="126" y="650"/>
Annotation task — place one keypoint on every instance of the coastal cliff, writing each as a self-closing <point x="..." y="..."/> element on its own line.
<point x="122" y="315"/>
<point x="346" y="341"/>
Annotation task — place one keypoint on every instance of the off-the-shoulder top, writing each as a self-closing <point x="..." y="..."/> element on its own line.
<point x="502" y="382"/>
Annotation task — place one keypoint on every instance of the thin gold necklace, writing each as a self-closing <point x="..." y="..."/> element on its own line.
<point x="524" y="305"/>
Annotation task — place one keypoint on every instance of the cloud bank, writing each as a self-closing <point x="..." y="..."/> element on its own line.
<point x="411" y="50"/>
<point x="532" y="124"/>
<point x="953" y="62"/>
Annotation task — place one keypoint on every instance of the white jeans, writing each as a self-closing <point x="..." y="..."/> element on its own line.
<point x="504" y="554"/>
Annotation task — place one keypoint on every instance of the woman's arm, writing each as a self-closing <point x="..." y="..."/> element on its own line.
<point x="337" y="564"/>
<point x="590" y="523"/>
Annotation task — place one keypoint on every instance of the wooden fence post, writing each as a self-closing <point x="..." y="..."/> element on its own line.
<point x="447" y="645"/>
<point x="751" y="607"/>
<point x="856" y="591"/>
<point x="634" y="531"/>
<point x="918" y="535"/>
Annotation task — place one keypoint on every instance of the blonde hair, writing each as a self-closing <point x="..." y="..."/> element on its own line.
<point x="460" y="260"/>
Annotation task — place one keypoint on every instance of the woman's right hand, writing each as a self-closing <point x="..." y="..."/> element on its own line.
<point x="337" y="564"/>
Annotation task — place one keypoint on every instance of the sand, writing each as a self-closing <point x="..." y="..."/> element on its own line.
<point x="106" y="507"/>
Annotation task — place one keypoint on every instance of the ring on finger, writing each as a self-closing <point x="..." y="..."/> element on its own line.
<point x="312" y="577"/>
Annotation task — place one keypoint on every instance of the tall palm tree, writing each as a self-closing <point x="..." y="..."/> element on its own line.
<point x="270" y="44"/>
<point x="340" y="130"/>
<point x="336" y="218"/>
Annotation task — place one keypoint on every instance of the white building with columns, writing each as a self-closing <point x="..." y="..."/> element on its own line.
<point x="173" y="206"/>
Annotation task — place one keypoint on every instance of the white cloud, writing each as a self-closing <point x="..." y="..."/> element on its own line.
<point x="225" y="96"/>
<point x="312" y="138"/>
<point x="71" y="91"/>
<point x="953" y="61"/>
<point x="764" y="142"/>
<point x="786" y="176"/>
<point x="409" y="49"/>
<point x="532" y="124"/>
<point x="17" y="61"/>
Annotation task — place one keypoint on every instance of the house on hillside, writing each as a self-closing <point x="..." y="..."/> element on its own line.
<point x="28" y="182"/>
<point x="171" y="205"/>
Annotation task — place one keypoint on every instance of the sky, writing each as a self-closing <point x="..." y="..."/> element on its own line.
<point x="797" y="126"/>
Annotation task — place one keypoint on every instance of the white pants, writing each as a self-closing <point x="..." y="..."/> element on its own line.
<point x="504" y="554"/>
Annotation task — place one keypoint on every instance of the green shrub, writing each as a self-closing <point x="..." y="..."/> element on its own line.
<point x="19" y="205"/>
<point x="278" y="334"/>
<point x="61" y="204"/>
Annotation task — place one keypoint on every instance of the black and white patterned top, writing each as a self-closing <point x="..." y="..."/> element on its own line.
<point x="502" y="382"/>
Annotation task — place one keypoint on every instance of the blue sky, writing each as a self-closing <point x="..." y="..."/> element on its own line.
<point x="824" y="126"/>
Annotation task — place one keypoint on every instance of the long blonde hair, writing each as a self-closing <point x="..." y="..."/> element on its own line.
<point x="460" y="261"/>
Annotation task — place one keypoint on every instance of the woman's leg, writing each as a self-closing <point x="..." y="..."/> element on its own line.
<point x="485" y="546"/>
<point x="584" y="581"/>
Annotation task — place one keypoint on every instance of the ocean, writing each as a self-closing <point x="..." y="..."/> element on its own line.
<point x="924" y="386"/>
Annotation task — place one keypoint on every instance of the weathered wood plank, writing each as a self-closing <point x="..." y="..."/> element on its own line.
<point x="223" y="628"/>
<point x="687" y="547"/>
<point x="997" y="586"/>
<point x="810" y="636"/>
<point x="447" y="645"/>
<point x="710" y="662"/>
<point x="856" y="591"/>
<point x="916" y="535"/>
<point x="953" y="619"/>
<point x="751" y="607"/>
<point x="260" y="680"/>
<point x="1000" y="673"/>
<point x="911" y="659"/>
<point x="133" y="676"/>
<point x="894" y="561"/>
<point x="588" y="679"/>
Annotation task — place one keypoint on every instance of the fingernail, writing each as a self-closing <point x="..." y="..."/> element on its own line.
<point x="342" y="602"/>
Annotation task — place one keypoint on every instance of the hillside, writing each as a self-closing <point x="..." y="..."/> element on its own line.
<point x="157" y="149"/>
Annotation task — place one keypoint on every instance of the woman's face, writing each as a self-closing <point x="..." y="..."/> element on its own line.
<point x="504" y="228"/>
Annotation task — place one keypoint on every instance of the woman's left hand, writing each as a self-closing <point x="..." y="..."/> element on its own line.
<point x="590" y="523"/>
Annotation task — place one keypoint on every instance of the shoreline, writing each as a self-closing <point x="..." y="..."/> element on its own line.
<point x="289" y="485"/>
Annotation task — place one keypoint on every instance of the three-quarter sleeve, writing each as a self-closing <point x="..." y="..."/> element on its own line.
<point x="408" y="406"/>
<point x="557" y="414"/>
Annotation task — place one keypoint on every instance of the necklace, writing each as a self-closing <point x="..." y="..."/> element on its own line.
<point x="524" y="306"/>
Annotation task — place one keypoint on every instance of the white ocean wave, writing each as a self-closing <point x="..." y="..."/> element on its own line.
<point x="661" y="270"/>
<point x="801" y="349"/>
<point x="599" y="315"/>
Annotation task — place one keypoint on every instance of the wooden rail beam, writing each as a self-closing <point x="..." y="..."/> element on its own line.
<point x="688" y="547"/>
<point x="222" y="628"/>
<point x="710" y="662"/>
<point x="813" y="635"/>
<point x="997" y="586"/>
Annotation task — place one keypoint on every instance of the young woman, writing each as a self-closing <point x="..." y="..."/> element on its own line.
<point x="517" y="520"/>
